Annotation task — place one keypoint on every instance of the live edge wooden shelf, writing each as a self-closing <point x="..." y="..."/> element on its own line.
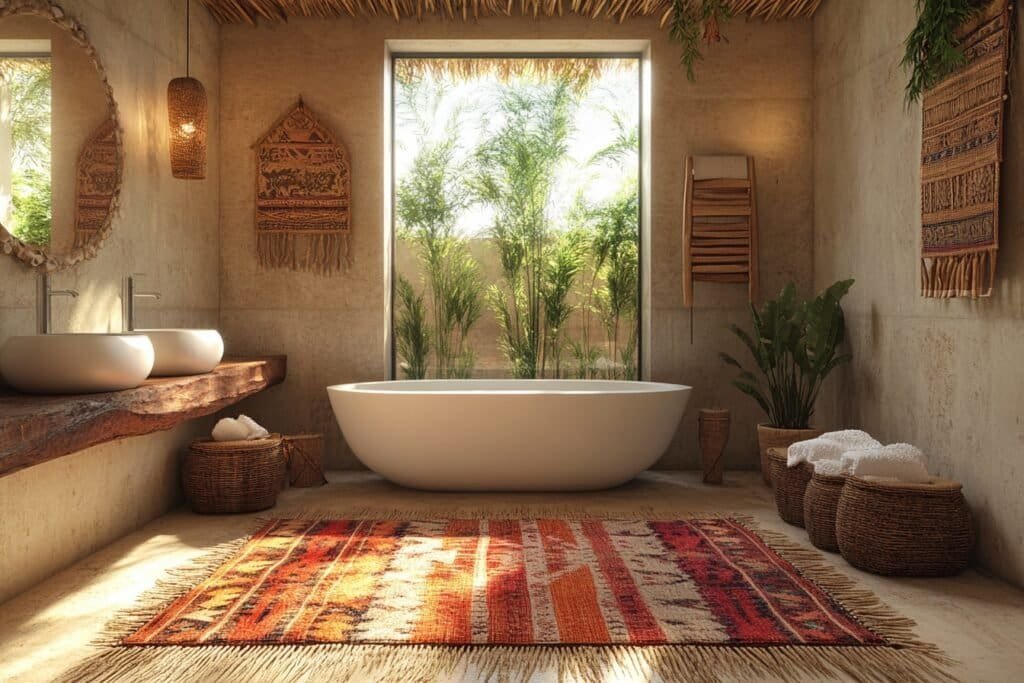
<point x="35" y="429"/>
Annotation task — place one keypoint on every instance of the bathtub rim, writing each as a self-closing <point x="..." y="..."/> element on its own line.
<point x="464" y="388"/>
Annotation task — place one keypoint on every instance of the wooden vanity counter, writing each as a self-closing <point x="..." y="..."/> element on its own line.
<point x="34" y="429"/>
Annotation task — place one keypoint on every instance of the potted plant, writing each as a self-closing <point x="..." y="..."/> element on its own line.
<point x="795" y="347"/>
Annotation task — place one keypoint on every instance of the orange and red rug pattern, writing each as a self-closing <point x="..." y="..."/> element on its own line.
<point x="464" y="582"/>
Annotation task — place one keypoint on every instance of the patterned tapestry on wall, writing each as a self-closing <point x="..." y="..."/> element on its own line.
<point x="961" y="154"/>
<point x="95" y="182"/>
<point x="303" y="195"/>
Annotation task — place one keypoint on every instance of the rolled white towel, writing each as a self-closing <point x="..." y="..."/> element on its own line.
<point x="900" y="461"/>
<point x="253" y="430"/>
<point x="829" y="446"/>
<point x="229" y="429"/>
<point x="829" y="468"/>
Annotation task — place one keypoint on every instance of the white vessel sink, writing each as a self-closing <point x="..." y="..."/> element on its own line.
<point x="184" y="352"/>
<point x="76" y="363"/>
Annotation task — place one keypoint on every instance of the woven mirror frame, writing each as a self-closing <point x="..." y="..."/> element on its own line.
<point x="39" y="257"/>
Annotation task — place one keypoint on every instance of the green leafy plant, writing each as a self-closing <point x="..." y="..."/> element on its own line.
<point x="31" y="214"/>
<point x="613" y="294"/>
<point x="932" y="52"/>
<point x="561" y="285"/>
<point x="516" y="176"/>
<point x="412" y="334"/>
<point x="428" y="203"/>
<point x="693" y="21"/>
<point x="794" y="346"/>
<point x="28" y="84"/>
<point x="565" y="261"/>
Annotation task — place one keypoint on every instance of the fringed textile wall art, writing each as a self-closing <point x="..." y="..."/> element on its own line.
<point x="720" y="223"/>
<point x="961" y="154"/>
<point x="96" y="182"/>
<point x="303" y="195"/>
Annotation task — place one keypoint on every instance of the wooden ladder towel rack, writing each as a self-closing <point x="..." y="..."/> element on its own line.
<point x="719" y="230"/>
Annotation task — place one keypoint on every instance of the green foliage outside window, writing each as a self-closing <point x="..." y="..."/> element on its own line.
<point x="561" y="288"/>
<point x="28" y="83"/>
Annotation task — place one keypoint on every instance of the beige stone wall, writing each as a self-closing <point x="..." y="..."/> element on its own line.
<point x="945" y="375"/>
<point x="753" y="96"/>
<point x="167" y="229"/>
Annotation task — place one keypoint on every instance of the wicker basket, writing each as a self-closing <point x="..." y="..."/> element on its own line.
<point x="769" y="437"/>
<point x="789" y="484"/>
<point x="900" y="529"/>
<point x="820" y="502"/>
<point x="305" y="456"/>
<point x="221" y="477"/>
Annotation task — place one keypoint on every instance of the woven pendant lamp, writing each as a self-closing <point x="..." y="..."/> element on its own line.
<point x="187" y="115"/>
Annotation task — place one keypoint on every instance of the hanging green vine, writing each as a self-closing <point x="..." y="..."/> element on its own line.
<point x="932" y="52"/>
<point x="693" y="21"/>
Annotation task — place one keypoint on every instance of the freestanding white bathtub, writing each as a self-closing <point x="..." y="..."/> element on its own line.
<point x="508" y="435"/>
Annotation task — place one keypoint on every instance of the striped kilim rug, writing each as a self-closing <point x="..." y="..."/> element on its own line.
<point x="703" y="599"/>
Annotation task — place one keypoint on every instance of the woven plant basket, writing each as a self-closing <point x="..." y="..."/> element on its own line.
<point x="713" y="435"/>
<point x="821" y="498"/>
<point x="789" y="484"/>
<point x="305" y="456"/>
<point x="900" y="529"/>
<point x="774" y="437"/>
<point x="224" y="477"/>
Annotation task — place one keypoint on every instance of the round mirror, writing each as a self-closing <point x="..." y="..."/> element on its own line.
<point x="60" y="143"/>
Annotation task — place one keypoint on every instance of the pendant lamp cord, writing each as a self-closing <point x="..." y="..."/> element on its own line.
<point x="188" y="27"/>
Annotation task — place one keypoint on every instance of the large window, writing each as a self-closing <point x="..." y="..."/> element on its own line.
<point x="25" y="150"/>
<point x="516" y="217"/>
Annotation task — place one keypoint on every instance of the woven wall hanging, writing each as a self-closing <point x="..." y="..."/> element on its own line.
<point x="720" y="223"/>
<point x="96" y="182"/>
<point x="961" y="155"/>
<point x="303" y="195"/>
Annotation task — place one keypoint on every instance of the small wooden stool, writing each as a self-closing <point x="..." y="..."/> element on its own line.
<point x="901" y="529"/>
<point x="305" y="456"/>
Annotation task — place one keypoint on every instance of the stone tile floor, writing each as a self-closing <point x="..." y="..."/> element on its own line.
<point x="977" y="620"/>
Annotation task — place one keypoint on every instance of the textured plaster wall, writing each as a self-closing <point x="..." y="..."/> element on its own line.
<point x="753" y="96"/>
<point x="54" y="514"/>
<point x="945" y="375"/>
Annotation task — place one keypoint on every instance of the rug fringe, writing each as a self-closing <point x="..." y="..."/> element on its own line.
<point x="904" y="658"/>
<point x="703" y="663"/>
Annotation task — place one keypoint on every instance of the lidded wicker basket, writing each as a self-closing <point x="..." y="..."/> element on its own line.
<point x="789" y="484"/>
<point x="223" y="477"/>
<point x="821" y="498"/>
<point x="902" y="529"/>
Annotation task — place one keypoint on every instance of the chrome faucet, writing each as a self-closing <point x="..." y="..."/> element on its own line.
<point x="129" y="297"/>
<point x="44" y="312"/>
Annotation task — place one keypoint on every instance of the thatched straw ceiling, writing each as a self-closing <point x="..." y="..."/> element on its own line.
<point x="578" y="71"/>
<point x="238" y="11"/>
